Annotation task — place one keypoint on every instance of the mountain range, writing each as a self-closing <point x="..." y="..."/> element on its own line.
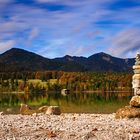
<point x="16" y="60"/>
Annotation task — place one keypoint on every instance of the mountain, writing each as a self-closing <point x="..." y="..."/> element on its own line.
<point x="21" y="60"/>
<point x="100" y="62"/>
<point x="107" y="62"/>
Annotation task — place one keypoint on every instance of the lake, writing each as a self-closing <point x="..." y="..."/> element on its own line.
<point x="80" y="102"/>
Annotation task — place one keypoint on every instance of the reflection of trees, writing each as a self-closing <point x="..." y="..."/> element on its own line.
<point x="73" y="100"/>
<point x="9" y="100"/>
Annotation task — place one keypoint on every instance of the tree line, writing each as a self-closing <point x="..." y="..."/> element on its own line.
<point x="57" y="80"/>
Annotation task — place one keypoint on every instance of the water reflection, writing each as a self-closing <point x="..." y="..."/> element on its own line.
<point x="106" y="102"/>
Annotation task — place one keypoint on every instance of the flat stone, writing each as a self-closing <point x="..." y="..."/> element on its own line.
<point x="138" y="57"/>
<point x="136" y="76"/>
<point x="53" y="110"/>
<point x="136" y="67"/>
<point x="136" y="83"/>
<point x="137" y="63"/>
<point x="128" y="112"/>
<point x="137" y="91"/>
<point x="137" y="71"/>
<point x="135" y="101"/>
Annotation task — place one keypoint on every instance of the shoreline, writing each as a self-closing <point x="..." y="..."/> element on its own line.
<point x="68" y="126"/>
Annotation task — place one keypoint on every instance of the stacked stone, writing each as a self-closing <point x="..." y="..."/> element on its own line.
<point x="135" y="101"/>
<point x="136" y="77"/>
<point x="133" y="110"/>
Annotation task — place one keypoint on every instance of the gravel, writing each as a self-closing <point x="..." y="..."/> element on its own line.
<point x="68" y="126"/>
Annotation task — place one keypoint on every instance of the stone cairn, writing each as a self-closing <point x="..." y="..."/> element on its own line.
<point x="136" y="77"/>
<point x="133" y="110"/>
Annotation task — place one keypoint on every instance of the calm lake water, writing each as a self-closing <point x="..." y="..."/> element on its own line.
<point x="107" y="102"/>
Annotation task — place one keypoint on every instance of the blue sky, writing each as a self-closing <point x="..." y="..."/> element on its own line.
<point x="55" y="28"/>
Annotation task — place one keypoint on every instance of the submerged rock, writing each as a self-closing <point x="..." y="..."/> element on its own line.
<point x="135" y="101"/>
<point x="53" y="110"/>
<point x="128" y="112"/>
<point x="9" y="110"/>
<point x="26" y="110"/>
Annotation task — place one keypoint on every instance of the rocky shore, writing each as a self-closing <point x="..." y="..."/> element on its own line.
<point x="68" y="127"/>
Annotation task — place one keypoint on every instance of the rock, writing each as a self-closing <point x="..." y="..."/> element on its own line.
<point x="53" y="110"/>
<point x="9" y="110"/>
<point x="128" y="112"/>
<point x="136" y="76"/>
<point x="136" y="83"/>
<point x="26" y="110"/>
<point x="1" y="113"/>
<point x="135" y="101"/>
<point x="137" y="71"/>
<point x="51" y="134"/>
<point x="138" y="57"/>
<point x="34" y="114"/>
<point x="136" y="67"/>
<point x="137" y="63"/>
<point x="137" y="91"/>
<point x="42" y="109"/>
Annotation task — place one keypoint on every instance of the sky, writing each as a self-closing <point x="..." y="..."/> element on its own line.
<point x="54" y="28"/>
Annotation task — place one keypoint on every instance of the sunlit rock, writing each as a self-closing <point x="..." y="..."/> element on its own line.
<point x="135" y="77"/>
<point x="128" y="112"/>
<point x="26" y="110"/>
<point x="135" y="101"/>
<point x="53" y="110"/>
<point x="1" y="113"/>
<point x="42" y="109"/>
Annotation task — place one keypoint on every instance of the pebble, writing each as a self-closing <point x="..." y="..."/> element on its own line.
<point x="64" y="127"/>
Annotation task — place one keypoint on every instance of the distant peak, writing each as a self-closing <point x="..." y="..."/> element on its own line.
<point x="15" y="50"/>
<point x="67" y="56"/>
<point x="102" y="53"/>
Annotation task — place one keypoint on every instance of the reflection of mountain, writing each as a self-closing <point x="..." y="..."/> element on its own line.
<point x="22" y="60"/>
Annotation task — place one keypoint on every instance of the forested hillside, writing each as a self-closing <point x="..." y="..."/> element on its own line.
<point x="16" y="60"/>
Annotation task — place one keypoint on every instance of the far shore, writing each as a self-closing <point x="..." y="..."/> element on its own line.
<point x="83" y="91"/>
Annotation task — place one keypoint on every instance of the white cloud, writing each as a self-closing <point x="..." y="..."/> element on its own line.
<point x="77" y="22"/>
<point x="80" y="50"/>
<point x="125" y="42"/>
<point x="46" y="1"/>
<point x="33" y="34"/>
<point x="5" y="45"/>
<point x="6" y="1"/>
